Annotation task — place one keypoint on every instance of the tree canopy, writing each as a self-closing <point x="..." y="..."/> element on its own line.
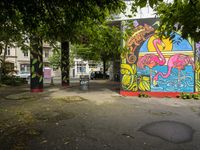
<point x="56" y="18"/>
<point x="102" y="42"/>
<point x="174" y="15"/>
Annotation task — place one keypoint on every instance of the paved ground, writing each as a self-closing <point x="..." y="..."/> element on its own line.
<point x="97" y="119"/>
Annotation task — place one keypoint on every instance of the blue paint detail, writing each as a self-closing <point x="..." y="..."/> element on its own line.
<point x="179" y="44"/>
<point x="171" y="84"/>
<point x="144" y="47"/>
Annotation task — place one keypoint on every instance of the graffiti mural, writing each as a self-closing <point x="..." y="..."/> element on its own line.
<point x="197" y="67"/>
<point x="158" y="64"/>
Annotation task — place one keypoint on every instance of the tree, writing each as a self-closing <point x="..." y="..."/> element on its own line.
<point x="54" y="20"/>
<point x="55" y="59"/>
<point x="103" y="43"/>
<point x="10" y="36"/>
<point x="182" y="15"/>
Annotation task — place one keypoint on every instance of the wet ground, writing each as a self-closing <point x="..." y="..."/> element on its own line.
<point x="98" y="118"/>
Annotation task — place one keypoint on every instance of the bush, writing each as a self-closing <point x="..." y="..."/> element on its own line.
<point x="143" y="95"/>
<point x="12" y="80"/>
<point x="190" y="96"/>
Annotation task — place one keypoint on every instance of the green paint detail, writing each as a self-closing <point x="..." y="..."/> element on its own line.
<point x="40" y="80"/>
<point x="40" y="65"/>
<point x="31" y="56"/>
<point x="32" y="69"/>
<point x="33" y="75"/>
<point x="34" y="61"/>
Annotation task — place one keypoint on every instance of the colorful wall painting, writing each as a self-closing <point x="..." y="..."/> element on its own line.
<point x="157" y="64"/>
<point x="197" y="67"/>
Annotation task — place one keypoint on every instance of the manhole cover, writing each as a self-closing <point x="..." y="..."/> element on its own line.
<point x="171" y="131"/>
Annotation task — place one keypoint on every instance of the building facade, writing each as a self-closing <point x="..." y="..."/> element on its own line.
<point x="82" y="67"/>
<point x="19" y="61"/>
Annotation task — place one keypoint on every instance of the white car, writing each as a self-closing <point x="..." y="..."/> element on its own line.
<point x="24" y="75"/>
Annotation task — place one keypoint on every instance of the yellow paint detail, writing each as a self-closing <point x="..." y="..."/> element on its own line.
<point x="126" y="80"/>
<point x="169" y="53"/>
<point x="144" y="84"/>
<point x="128" y="69"/>
<point x="197" y="74"/>
<point x="129" y="80"/>
<point x="166" y="41"/>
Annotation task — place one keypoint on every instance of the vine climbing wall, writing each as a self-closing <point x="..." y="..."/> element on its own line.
<point x="157" y="64"/>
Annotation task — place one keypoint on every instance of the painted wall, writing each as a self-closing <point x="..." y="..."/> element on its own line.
<point x="158" y="65"/>
<point x="197" y="67"/>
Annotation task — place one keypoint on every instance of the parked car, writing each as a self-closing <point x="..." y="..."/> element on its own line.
<point x="97" y="75"/>
<point x="24" y="75"/>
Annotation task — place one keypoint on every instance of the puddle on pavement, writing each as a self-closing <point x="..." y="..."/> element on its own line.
<point x="54" y="116"/>
<point x="171" y="131"/>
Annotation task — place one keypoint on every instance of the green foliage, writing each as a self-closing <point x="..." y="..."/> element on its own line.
<point x="143" y="95"/>
<point x="102" y="42"/>
<point x="55" y="59"/>
<point x="195" y="96"/>
<point x="184" y="14"/>
<point x="12" y="80"/>
<point x="143" y="3"/>
<point x="178" y="15"/>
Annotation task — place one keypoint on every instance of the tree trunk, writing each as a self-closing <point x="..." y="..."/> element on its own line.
<point x="3" y="64"/>
<point x="36" y="63"/>
<point x="65" y="66"/>
<point x="104" y="69"/>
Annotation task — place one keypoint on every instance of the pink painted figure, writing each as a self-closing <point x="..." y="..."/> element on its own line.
<point x="178" y="61"/>
<point x="152" y="60"/>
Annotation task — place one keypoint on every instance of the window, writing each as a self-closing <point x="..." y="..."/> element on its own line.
<point x="8" y="51"/>
<point x="25" y="68"/>
<point x="81" y="68"/>
<point x="93" y="65"/>
<point x="25" y="54"/>
<point x="46" y="53"/>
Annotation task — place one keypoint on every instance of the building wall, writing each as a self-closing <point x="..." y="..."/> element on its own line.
<point x="17" y="57"/>
<point x="158" y="65"/>
<point x="145" y="12"/>
<point x="82" y="67"/>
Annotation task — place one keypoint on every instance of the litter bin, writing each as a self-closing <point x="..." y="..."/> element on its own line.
<point x="84" y="82"/>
